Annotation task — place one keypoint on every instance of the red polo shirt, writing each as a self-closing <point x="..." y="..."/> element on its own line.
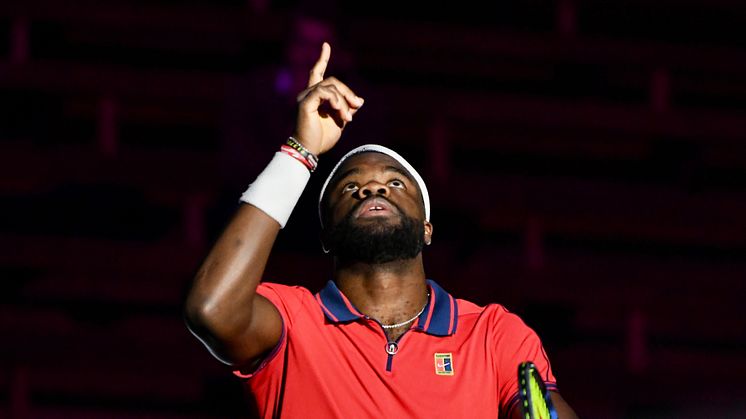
<point x="457" y="360"/>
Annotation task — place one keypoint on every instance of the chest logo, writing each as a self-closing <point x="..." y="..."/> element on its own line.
<point x="443" y="364"/>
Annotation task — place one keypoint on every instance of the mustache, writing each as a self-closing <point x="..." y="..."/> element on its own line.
<point x="357" y="206"/>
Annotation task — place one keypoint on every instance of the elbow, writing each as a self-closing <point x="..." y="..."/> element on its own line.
<point x="202" y="315"/>
<point x="211" y="318"/>
<point x="200" y="324"/>
<point x="204" y="323"/>
<point x="211" y="323"/>
<point x="200" y="308"/>
<point x="196" y="315"/>
<point x="218" y="308"/>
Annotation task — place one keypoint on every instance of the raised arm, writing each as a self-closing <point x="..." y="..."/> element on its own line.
<point x="223" y="309"/>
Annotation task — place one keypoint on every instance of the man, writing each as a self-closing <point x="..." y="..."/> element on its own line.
<point x="379" y="340"/>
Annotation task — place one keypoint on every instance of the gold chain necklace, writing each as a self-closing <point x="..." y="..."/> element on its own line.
<point x="393" y="326"/>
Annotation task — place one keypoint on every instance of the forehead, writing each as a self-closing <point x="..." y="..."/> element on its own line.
<point x="370" y="161"/>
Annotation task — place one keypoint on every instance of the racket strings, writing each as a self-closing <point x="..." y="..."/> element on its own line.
<point x="534" y="395"/>
<point x="539" y="404"/>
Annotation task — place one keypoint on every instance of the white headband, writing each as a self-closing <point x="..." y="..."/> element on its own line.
<point x="394" y="155"/>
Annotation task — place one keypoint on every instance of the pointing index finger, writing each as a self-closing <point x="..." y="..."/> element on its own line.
<point x="317" y="72"/>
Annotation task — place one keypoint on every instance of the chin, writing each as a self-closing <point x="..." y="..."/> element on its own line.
<point x="377" y="240"/>
<point x="392" y="220"/>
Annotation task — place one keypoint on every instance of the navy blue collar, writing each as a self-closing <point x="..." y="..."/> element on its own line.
<point x="439" y="318"/>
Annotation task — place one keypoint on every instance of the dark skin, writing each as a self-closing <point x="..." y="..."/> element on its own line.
<point x="240" y="326"/>
<point x="392" y="292"/>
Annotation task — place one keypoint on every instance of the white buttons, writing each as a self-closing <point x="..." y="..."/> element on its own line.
<point x="392" y="348"/>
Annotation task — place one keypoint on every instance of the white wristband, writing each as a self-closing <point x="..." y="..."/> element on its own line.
<point x="277" y="189"/>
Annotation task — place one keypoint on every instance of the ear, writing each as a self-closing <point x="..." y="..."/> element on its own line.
<point x="428" y="233"/>
<point x="323" y="240"/>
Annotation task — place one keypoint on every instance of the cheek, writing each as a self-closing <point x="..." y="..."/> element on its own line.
<point x="413" y="206"/>
<point x="340" y="211"/>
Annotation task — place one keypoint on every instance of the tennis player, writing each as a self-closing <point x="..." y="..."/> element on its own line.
<point x="380" y="339"/>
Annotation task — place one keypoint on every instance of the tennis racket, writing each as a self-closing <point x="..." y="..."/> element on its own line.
<point x="536" y="402"/>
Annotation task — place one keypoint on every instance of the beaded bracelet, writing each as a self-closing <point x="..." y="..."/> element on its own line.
<point x="311" y="158"/>
<point x="297" y="156"/>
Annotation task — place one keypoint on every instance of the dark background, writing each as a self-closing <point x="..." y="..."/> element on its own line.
<point x="586" y="160"/>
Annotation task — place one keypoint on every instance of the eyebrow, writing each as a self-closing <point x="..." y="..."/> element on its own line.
<point x="389" y="168"/>
<point x="401" y="172"/>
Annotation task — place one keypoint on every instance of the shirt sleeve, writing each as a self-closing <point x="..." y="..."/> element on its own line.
<point x="515" y="342"/>
<point x="287" y="300"/>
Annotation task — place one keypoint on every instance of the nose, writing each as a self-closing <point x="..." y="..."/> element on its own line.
<point x="373" y="188"/>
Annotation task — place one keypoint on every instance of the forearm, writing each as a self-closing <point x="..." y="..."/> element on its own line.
<point x="564" y="411"/>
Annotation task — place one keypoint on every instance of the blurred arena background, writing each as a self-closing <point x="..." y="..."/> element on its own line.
<point x="587" y="161"/>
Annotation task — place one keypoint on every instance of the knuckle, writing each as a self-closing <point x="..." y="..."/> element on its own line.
<point x="302" y="95"/>
<point x="334" y="89"/>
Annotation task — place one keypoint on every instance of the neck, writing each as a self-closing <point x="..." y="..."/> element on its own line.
<point x="390" y="293"/>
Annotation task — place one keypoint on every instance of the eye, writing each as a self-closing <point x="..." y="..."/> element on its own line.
<point x="396" y="183"/>
<point x="350" y="187"/>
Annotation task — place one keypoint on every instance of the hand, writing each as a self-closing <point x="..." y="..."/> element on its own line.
<point x="325" y="107"/>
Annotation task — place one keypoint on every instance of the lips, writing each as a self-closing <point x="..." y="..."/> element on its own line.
<point x="375" y="207"/>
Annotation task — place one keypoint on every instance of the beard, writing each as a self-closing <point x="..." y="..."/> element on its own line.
<point x="377" y="241"/>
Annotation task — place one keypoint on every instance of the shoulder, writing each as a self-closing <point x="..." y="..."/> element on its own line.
<point x="493" y="310"/>
<point x="281" y="289"/>
<point x="498" y="319"/>
<point x="287" y="298"/>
